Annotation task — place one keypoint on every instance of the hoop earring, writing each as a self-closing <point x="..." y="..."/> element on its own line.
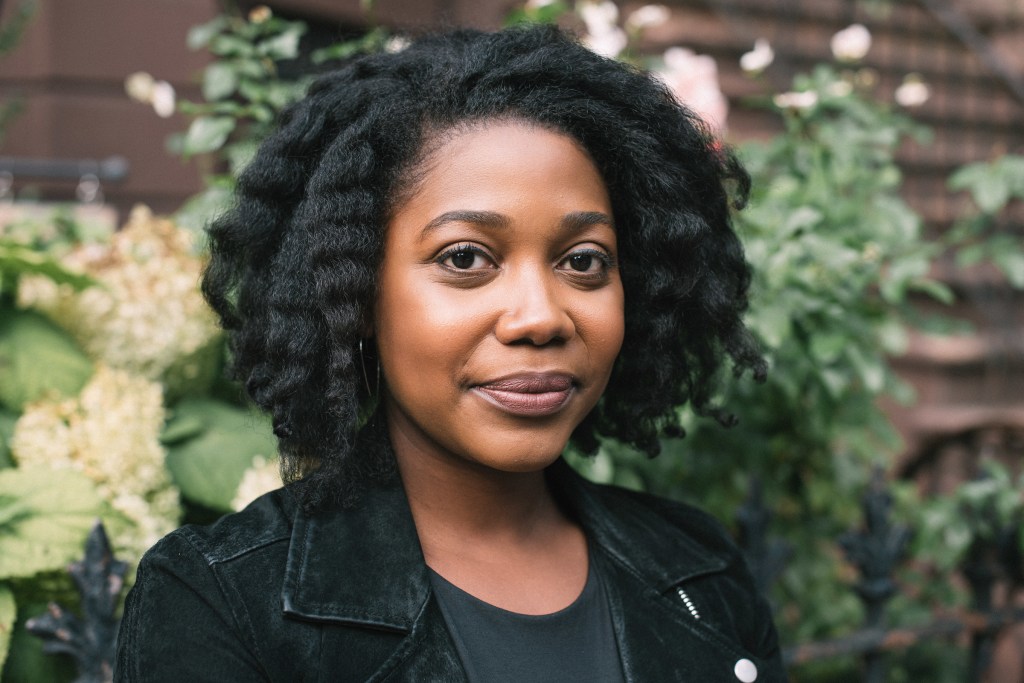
<point x="366" y="377"/>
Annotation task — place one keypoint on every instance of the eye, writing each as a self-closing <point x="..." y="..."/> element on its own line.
<point x="581" y="262"/>
<point x="587" y="262"/>
<point x="465" y="257"/>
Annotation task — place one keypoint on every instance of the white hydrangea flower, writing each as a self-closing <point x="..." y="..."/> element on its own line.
<point x="758" y="59"/>
<point x="263" y="476"/>
<point x="852" y="43"/>
<point x="148" y="315"/>
<point x="109" y="432"/>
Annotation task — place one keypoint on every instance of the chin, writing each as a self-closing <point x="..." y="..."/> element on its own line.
<point x="525" y="462"/>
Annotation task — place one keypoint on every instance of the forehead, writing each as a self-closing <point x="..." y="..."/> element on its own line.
<point x="503" y="163"/>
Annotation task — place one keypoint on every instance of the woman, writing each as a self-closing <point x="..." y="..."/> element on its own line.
<point x="446" y="265"/>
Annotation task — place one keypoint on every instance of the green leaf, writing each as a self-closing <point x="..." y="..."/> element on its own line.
<point x="209" y="466"/>
<point x="7" y="421"/>
<point x="827" y="346"/>
<point x="25" y="260"/>
<point x="197" y="213"/>
<point x="207" y="134"/>
<point x="240" y="154"/>
<point x="370" y="42"/>
<point x="988" y="185"/>
<point x="285" y="45"/>
<point x="870" y="367"/>
<point x="991" y="196"/>
<point x="800" y="219"/>
<point x="219" y="81"/>
<point x="772" y="323"/>
<point x="935" y="289"/>
<point x="231" y="46"/>
<point x="548" y="14"/>
<point x="37" y="358"/>
<point x="8" y="613"/>
<point x="971" y="254"/>
<point x="181" y="427"/>
<point x="200" y="36"/>
<point x="39" y="530"/>
<point x="1012" y="265"/>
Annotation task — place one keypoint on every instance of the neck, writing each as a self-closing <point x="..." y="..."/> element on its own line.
<point x="458" y="504"/>
<point x="497" y="535"/>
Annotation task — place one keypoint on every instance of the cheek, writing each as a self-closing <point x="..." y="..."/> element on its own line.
<point x="604" y="323"/>
<point x="421" y="329"/>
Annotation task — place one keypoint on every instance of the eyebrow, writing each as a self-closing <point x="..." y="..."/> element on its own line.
<point x="574" y="221"/>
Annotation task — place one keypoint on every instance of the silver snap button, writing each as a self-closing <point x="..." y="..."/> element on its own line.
<point x="745" y="671"/>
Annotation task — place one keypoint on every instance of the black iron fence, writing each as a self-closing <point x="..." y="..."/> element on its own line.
<point x="877" y="550"/>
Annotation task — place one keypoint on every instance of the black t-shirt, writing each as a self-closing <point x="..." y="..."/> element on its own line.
<point x="574" y="644"/>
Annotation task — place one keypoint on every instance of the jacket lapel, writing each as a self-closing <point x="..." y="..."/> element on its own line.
<point x="358" y="566"/>
<point x="637" y="538"/>
<point x="361" y="570"/>
<point x="643" y="560"/>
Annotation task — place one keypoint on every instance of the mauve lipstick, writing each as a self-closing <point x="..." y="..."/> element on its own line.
<point x="529" y="394"/>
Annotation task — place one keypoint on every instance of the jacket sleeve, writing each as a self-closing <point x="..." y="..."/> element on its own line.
<point x="177" y="624"/>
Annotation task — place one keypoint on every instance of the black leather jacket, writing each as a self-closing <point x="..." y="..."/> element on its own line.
<point x="271" y="594"/>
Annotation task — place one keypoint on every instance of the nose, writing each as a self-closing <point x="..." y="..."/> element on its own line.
<point x="534" y="313"/>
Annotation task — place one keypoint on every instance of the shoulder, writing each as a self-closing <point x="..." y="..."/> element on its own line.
<point x="265" y="522"/>
<point x="194" y="555"/>
<point x="193" y="578"/>
<point x="238" y="562"/>
<point x="674" y="539"/>
<point x="649" y="510"/>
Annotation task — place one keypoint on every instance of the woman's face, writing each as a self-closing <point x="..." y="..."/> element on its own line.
<point x="500" y="310"/>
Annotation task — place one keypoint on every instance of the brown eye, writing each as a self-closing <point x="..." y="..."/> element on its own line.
<point x="581" y="262"/>
<point x="465" y="257"/>
<point x="587" y="263"/>
<point x="462" y="259"/>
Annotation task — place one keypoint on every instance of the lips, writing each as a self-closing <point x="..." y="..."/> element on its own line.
<point x="529" y="394"/>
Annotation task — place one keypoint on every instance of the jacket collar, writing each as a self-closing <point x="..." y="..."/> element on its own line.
<point x="364" y="565"/>
<point x="626" y="526"/>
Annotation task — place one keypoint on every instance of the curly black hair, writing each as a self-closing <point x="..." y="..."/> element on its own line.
<point x="294" y="264"/>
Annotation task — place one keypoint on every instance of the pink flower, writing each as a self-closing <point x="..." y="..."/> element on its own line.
<point x="648" y="16"/>
<point x="603" y="33"/>
<point x="693" y="79"/>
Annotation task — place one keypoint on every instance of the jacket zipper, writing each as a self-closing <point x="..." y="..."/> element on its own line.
<point x="689" y="603"/>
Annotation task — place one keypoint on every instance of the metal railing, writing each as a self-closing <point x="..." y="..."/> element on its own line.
<point x="877" y="550"/>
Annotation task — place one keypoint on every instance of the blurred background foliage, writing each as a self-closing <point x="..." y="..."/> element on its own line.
<point x="110" y="363"/>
